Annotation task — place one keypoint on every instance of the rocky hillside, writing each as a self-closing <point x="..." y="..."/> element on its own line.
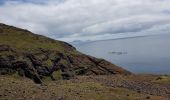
<point x="39" y="58"/>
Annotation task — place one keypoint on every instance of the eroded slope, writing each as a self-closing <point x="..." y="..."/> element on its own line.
<point x="37" y="57"/>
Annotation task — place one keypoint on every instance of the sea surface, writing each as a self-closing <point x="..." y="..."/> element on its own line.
<point x="148" y="55"/>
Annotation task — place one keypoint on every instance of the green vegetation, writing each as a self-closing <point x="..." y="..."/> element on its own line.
<point x="162" y="79"/>
<point x="64" y="62"/>
<point x="48" y="62"/>
<point x="25" y="40"/>
<point x="47" y="78"/>
<point x="57" y="75"/>
<point x="16" y="75"/>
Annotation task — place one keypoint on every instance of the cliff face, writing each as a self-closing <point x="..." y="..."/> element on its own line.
<point x="37" y="57"/>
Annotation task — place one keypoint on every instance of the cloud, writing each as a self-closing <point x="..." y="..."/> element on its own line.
<point x="71" y="20"/>
<point x="125" y="25"/>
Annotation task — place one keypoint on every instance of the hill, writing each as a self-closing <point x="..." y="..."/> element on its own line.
<point x="23" y="53"/>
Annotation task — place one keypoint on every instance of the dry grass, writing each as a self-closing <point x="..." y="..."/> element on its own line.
<point x="75" y="89"/>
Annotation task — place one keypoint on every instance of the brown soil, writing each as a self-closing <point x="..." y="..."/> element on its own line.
<point x="133" y="87"/>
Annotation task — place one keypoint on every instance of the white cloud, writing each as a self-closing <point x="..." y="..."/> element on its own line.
<point x="71" y="20"/>
<point x="125" y="25"/>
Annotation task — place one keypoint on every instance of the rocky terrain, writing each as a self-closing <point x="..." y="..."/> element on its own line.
<point x="112" y="87"/>
<point x="34" y="67"/>
<point x="39" y="58"/>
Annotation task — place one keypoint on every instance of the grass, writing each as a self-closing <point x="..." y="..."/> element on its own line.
<point x="27" y="41"/>
<point x="46" y="79"/>
<point x="48" y="62"/>
<point x="162" y="79"/>
<point x="16" y="75"/>
<point x="57" y="75"/>
<point x="64" y="62"/>
<point x="21" y="88"/>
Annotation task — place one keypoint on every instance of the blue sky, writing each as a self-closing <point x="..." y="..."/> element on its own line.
<point x="71" y="20"/>
<point x="2" y="1"/>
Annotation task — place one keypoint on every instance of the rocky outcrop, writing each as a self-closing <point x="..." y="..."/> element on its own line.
<point x="39" y="63"/>
<point x="35" y="67"/>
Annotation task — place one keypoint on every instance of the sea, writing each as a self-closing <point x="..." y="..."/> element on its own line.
<point x="140" y="55"/>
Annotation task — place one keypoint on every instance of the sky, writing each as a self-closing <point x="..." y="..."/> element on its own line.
<point x="88" y="20"/>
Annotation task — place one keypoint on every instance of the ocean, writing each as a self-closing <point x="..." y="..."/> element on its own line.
<point x="146" y="55"/>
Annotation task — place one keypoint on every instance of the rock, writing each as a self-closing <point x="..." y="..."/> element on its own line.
<point x="148" y="97"/>
<point x="4" y="48"/>
<point x="1" y="30"/>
